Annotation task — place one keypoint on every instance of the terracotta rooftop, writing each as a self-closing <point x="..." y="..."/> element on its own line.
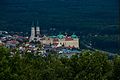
<point x="68" y="39"/>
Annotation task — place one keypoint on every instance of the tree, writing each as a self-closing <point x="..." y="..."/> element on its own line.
<point x="88" y="65"/>
<point x="4" y="64"/>
<point x="93" y="66"/>
<point x="116" y="68"/>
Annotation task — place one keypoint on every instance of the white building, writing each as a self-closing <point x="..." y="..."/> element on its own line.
<point x="35" y="34"/>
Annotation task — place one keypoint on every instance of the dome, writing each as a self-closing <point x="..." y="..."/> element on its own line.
<point x="74" y="36"/>
<point x="60" y="36"/>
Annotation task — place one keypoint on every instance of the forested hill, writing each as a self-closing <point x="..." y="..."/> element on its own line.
<point x="88" y="65"/>
<point x="17" y="15"/>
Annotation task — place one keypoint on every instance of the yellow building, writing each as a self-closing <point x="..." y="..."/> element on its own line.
<point x="61" y="40"/>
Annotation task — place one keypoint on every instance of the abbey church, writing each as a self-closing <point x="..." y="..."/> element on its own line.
<point x="55" y="40"/>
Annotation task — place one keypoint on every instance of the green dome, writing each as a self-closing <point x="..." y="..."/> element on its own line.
<point x="60" y="36"/>
<point x="74" y="36"/>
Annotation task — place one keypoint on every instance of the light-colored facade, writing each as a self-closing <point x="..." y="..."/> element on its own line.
<point x="35" y="34"/>
<point x="66" y="41"/>
<point x="57" y="41"/>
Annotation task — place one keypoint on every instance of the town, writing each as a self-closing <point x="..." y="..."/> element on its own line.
<point x="38" y="43"/>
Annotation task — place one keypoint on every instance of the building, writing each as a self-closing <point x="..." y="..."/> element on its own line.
<point x="11" y="44"/>
<point x="61" y="40"/>
<point x="35" y="34"/>
<point x="56" y="41"/>
<point x="1" y="43"/>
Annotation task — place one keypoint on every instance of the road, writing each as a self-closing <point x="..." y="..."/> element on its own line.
<point x="88" y="46"/>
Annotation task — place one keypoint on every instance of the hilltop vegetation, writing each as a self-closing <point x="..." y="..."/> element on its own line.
<point x="17" y="15"/>
<point x="88" y="65"/>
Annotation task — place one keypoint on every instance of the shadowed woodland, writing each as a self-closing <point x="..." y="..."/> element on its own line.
<point x="88" y="65"/>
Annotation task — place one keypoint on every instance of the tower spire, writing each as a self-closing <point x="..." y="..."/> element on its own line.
<point x="32" y="37"/>
<point x="37" y="24"/>
<point x="33" y="24"/>
<point x="37" y="31"/>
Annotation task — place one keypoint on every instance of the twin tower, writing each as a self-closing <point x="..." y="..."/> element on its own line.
<point x="35" y="33"/>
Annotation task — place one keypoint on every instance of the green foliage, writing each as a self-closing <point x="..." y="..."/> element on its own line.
<point x="89" y="65"/>
<point x="116" y="68"/>
<point x="93" y="66"/>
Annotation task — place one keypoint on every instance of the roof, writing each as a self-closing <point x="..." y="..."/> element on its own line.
<point x="74" y="36"/>
<point x="13" y="42"/>
<point x="52" y="36"/>
<point x="60" y="36"/>
<point x="68" y="39"/>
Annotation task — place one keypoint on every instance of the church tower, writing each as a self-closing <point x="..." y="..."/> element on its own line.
<point x="37" y="31"/>
<point x="32" y="37"/>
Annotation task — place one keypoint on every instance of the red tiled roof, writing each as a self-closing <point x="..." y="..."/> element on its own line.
<point x="71" y="47"/>
<point x="13" y="42"/>
<point x="68" y="39"/>
<point x="20" y="37"/>
<point x="27" y="42"/>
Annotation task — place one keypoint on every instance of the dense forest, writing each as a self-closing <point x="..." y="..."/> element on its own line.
<point x="88" y="65"/>
<point x="18" y="15"/>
